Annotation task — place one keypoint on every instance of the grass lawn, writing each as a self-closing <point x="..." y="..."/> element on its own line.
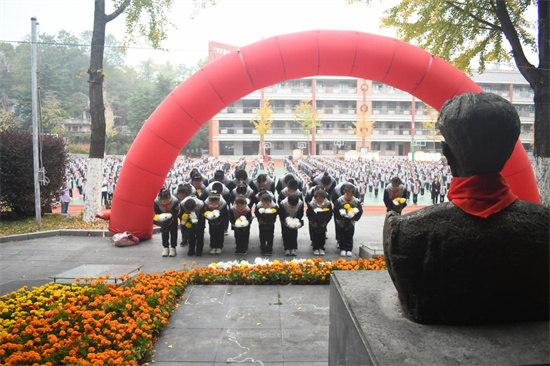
<point x="49" y="222"/>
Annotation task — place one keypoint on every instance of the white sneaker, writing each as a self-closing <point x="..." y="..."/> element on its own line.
<point x="165" y="252"/>
<point x="293" y="252"/>
<point x="287" y="252"/>
<point x="321" y="252"/>
<point x="212" y="251"/>
<point x="172" y="252"/>
<point x="349" y="254"/>
<point x="316" y="252"/>
<point x="218" y="250"/>
<point x="342" y="253"/>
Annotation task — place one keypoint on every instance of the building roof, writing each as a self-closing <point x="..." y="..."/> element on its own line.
<point x="499" y="76"/>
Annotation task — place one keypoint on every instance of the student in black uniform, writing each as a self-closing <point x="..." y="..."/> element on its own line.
<point x="192" y="217"/>
<point x="216" y="213"/>
<point x="319" y="213"/>
<point x="166" y="203"/>
<point x="266" y="213"/>
<point x="291" y="211"/>
<point x="184" y="191"/>
<point x="240" y="217"/>
<point x="347" y="211"/>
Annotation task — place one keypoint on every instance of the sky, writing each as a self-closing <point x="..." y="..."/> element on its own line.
<point x="235" y="22"/>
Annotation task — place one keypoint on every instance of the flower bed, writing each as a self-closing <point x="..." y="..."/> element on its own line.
<point x="98" y="323"/>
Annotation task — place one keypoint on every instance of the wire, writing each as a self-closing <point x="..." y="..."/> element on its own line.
<point x="105" y="46"/>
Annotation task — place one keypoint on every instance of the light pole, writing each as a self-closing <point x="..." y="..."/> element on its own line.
<point x="34" y="98"/>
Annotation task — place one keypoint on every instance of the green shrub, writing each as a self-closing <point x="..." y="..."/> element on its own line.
<point x="16" y="172"/>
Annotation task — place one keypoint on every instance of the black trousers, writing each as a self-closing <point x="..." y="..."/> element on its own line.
<point x="242" y="236"/>
<point x="170" y="235"/>
<point x="346" y="238"/>
<point x="266" y="238"/>
<point x="290" y="238"/>
<point x="216" y="235"/>
<point x="196" y="238"/>
<point x="319" y="237"/>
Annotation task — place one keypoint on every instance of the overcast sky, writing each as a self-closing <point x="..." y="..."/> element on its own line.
<point x="236" y="22"/>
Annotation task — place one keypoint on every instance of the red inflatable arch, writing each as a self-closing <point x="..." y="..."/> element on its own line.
<point x="267" y="62"/>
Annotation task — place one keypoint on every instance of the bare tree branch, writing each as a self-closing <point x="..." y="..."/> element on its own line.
<point x="482" y="21"/>
<point x="117" y="12"/>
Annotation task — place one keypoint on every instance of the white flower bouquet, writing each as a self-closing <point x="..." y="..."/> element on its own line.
<point x="212" y="215"/>
<point x="348" y="212"/>
<point x="399" y="201"/>
<point x="241" y="222"/>
<point x="163" y="217"/>
<point x="264" y="210"/>
<point x="293" y="223"/>
<point x="193" y="217"/>
<point x="319" y="209"/>
<point x="163" y="220"/>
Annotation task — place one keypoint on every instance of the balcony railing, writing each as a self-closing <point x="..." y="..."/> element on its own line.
<point x="419" y="133"/>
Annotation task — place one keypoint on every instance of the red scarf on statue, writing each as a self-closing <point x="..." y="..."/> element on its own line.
<point x="481" y="195"/>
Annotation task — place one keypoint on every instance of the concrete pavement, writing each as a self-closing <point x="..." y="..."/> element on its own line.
<point x="217" y="324"/>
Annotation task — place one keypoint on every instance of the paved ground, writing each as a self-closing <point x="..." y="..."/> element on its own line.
<point x="36" y="261"/>
<point x="216" y="324"/>
<point x="213" y="324"/>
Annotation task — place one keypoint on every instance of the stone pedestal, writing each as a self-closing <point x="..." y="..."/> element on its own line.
<point x="367" y="327"/>
<point x="371" y="250"/>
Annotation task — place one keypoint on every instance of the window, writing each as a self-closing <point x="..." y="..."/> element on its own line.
<point x="279" y="145"/>
<point x="227" y="148"/>
<point x="375" y="145"/>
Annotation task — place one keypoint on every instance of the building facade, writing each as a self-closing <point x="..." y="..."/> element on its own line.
<point x="397" y="122"/>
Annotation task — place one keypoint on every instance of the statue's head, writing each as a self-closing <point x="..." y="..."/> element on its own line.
<point x="480" y="131"/>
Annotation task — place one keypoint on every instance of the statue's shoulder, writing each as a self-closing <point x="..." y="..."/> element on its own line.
<point x="440" y="212"/>
<point x="529" y="208"/>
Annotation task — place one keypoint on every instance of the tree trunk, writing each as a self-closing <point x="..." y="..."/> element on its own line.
<point x="92" y="205"/>
<point x="262" y="148"/>
<point x="542" y="136"/>
<point x="97" y="112"/>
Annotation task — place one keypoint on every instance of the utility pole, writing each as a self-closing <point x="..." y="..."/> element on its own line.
<point x="34" y="95"/>
<point x="413" y="113"/>
<point x="313" y="148"/>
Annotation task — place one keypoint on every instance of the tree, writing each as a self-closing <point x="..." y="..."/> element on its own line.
<point x="198" y="143"/>
<point x="17" y="180"/>
<point x="262" y="122"/>
<point x="429" y="125"/>
<point x="463" y="32"/>
<point x="52" y="115"/>
<point x="137" y="12"/>
<point x="363" y="128"/>
<point x="306" y="117"/>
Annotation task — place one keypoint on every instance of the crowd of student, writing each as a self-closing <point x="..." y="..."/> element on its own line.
<point x="201" y="191"/>
<point x="234" y="200"/>
<point x="370" y="176"/>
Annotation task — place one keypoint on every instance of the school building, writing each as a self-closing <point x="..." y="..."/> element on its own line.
<point x="356" y="114"/>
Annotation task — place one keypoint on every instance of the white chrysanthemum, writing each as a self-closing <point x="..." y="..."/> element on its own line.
<point x="293" y="222"/>
<point x="241" y="222"/>
<point x="193" y="217"/>
<point x="164" y="217"/>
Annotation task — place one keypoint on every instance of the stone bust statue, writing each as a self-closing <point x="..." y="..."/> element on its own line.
<point x="484" y="257"/>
